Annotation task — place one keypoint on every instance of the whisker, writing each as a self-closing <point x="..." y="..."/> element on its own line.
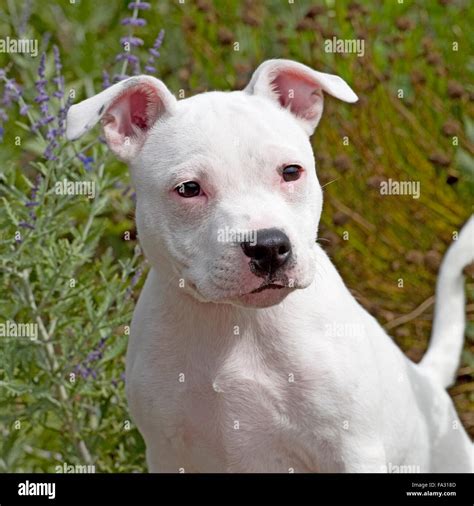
<point x="324" y="185"/>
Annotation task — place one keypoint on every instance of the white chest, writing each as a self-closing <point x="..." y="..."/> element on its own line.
<point x="243" y="414"/>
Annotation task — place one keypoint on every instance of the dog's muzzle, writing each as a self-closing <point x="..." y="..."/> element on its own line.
<point x="270" y="252"/>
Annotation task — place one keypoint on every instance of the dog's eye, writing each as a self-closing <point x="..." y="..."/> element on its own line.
<point x="291" y="173"/>
<point x="188" y="189"/>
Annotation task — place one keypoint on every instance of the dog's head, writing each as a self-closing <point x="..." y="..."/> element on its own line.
<point x="227" y="193"/>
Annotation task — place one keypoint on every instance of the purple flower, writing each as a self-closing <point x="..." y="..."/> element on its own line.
<point x="134" y="21"/>
<point x="115" y="382"/>
<point x="136" y="277"/>
<point x="159" y="40"/>
<point x="48" y="152"/>
<point x="154" y="53"/>
<point x="84" y="368"/>
<point x="131" y="58"/>
<point x="86" y="160"/>
<point x="41" y="71"/>
<point x="128" y="58"/>
<point x="94" y="355"/>
<point x="42" y="98"/>
<point x="35" y="188"/>
<point x="139" y="5"/>
<point x="105" y="79"/>
<point x="62" y="117"/>
<point x="59" y="79"/>
<point x="57" y="60"/>
<point x="24" y="17"/>
<point x="32" y="203"/>
<point x="131" y="41"/>
<point x="11" y="94"/>
<point x="54" y="133"/>
<point x="85" y="372"/>
<point x="24" y="224"/>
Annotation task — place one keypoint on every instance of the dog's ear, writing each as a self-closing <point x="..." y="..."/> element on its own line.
<point x="127" y="111"/>
<point x="298" y="88"/>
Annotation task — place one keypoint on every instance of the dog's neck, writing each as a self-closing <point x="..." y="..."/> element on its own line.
<point x="216" y="326"/>
<point x="187" y="316"/>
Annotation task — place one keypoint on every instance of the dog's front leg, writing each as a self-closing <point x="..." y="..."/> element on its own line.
<point x="161" y="457"/>
<point x="365" y="456"/>
<point x="155" y="461"/>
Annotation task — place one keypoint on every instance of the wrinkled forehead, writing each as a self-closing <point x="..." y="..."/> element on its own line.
<point x="231" y="127"/>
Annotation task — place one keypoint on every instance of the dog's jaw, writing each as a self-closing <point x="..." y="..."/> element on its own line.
<point x="263" y="299"/>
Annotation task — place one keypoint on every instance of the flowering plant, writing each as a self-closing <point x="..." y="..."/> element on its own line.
<point x="67" y="299"/>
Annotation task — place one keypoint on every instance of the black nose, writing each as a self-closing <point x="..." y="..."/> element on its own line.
<point x="271" y="250"/>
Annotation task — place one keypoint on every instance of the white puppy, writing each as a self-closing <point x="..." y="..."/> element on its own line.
<point x="248" y="353"/>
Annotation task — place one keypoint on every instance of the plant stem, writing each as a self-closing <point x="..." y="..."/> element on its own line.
<point x="54" y="366"/>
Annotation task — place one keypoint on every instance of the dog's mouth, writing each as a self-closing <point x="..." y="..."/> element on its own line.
<point x="268" y="286"/>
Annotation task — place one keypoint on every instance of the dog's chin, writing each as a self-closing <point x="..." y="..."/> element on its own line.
<point x="264" y="294"/>
<point x="262" y="297"/>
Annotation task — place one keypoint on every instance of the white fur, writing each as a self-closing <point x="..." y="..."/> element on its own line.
<point x="298" y="379"/>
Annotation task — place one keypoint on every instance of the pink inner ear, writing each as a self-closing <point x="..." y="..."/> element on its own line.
<point x="138" y="107"/>
<point x="299" y="93"/>
<point x="129" y="118"/>
<point x="133" y="112"/>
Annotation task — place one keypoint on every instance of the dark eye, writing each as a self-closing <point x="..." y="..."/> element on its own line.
<point x="291" y="173"/>
<point x="188" y="189"/>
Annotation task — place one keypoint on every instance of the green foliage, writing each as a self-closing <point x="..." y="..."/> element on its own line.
<point x="54" y="277"/>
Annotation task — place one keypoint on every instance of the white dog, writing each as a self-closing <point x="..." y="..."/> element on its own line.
<point x="248" y="353"/>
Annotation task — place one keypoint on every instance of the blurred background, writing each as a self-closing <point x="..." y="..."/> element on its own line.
<point x="413" y="122"/>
